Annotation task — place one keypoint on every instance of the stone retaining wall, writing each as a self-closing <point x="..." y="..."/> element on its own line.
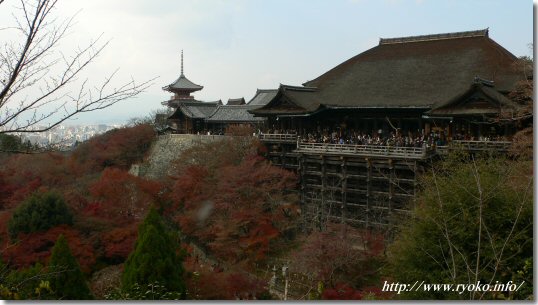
<point x="165" y="150"/>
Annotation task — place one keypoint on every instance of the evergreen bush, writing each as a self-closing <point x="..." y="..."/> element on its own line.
<point x="39" y="212"/>
<point x="67" y="281"/>
<point x="154" y="259"/>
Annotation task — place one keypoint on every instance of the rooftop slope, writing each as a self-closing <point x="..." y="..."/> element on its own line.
<point x="419" y="71"/>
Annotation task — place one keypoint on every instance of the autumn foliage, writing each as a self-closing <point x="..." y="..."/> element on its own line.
<point x="121" y="197"/>
<point x="232" y="285"/>
<point x="117" y="148"/>
<point x="36" y="247"/>
<point x="233" y="201"/>
<point x="343" y="262"/>
<point x="106" y="201"/>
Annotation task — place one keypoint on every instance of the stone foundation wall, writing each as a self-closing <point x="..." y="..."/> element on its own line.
<point x="165" y="150"/>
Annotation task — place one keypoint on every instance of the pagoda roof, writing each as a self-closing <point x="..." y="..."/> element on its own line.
<point x="233" y="113"/>
<point x="183" y="84"/>
<point x="421" y="72"/>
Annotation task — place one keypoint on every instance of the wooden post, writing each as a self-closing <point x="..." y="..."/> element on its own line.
<point x="323" y="189"/>
<point x="368" y="188"/>
<point x="301" y="173"/>
<point x="391" y="184"/>
<point x="415" y="184"/>
<point x="344" y="190"/>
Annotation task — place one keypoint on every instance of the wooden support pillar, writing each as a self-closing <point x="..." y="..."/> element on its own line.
<point x="301" y="174"/>
<point x="344" y="190"/>
<point x="282" y="155"/>
<point x="323" y="191"/>
<point x="368" y="189"/>
<point x="415" y="184"/>
<point x="392" y="181"/>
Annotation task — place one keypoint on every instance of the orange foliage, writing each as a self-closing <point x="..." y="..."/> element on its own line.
<point x="236" y="209"/>
<point x="36" y="247"/>
<point x="95" y="186"/>
<point x="239" y="130"/>
<point x="118" y="148"/>
<point x="119" y="243"/>
<point x="4" y="220"/>
<point x="122" y="197"/>
<point x="6" y="189"/>
<point x="232" y="285"/>
<point x="333" y="258"/>
<point x="342" y="292"/>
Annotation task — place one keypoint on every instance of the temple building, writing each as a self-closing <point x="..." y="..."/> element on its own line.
<point x="188" y="114"/>
<point x="455" y="84"/>
<point x="236" y="111"/>
<point x="236" y="101"/>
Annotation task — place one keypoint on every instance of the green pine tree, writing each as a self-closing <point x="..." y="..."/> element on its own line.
<point x="39" y="212"/>
<point x="68" y="282"/>
<point x="154" y="259"/>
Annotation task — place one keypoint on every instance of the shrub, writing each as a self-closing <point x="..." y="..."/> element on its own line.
<point x="473" y="222"/>
<point x="154" y="259"/>
<point x="68" y="282"/>
<point x="40" y="212"/>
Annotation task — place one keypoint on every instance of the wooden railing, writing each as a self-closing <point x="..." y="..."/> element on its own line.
<point x="482" y="145"/>
<point x="475" y="146"/>
<point x="277" y="137"/>
<point x="391" y="151"/>
<point x="366" y="150"/>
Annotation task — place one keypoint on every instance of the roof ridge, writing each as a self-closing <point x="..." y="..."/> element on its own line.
<point x="199" y="103"/>
<point x="431" y="37"/>
<point x="258" y="91"/>
<point x="297" y="88"/>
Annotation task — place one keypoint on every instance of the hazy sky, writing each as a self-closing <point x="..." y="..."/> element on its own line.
<point x="233" y="47"/>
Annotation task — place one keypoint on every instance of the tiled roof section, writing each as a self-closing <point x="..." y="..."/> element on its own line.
<point x="418" y="74"/>
<point x="262" y="97"/>
<point x="183" y="84"/>
<point x="479" y="33"/>
<point x="230" y="114"/>
<point x="478" y="88"/>
<point x="236" y="101"/>
<point x="218" y="102"/>
<point x="197" y="110"/>
<point x="291" y="100"/>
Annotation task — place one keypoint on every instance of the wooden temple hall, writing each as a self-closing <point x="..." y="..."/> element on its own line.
<point x="360" y="134"/>
<point x="455" y="84"/>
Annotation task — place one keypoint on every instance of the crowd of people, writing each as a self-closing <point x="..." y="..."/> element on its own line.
<point x="393" y="138"/>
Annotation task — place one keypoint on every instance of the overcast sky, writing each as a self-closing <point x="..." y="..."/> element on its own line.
<point x="233" y="47"/>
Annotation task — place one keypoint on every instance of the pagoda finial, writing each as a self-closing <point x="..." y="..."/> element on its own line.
<point x="181" y="62"/>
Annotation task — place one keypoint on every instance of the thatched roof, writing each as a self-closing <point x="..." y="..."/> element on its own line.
<point x="481" y="97"/>
<point x="420" y="72"/>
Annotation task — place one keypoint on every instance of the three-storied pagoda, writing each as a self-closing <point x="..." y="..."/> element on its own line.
<point x="188" y="114"/>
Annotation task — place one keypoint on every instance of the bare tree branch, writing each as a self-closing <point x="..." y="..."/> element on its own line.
<point x="39" y="82"/>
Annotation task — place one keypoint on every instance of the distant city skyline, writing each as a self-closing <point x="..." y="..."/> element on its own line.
<point x="234" y="47"/>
